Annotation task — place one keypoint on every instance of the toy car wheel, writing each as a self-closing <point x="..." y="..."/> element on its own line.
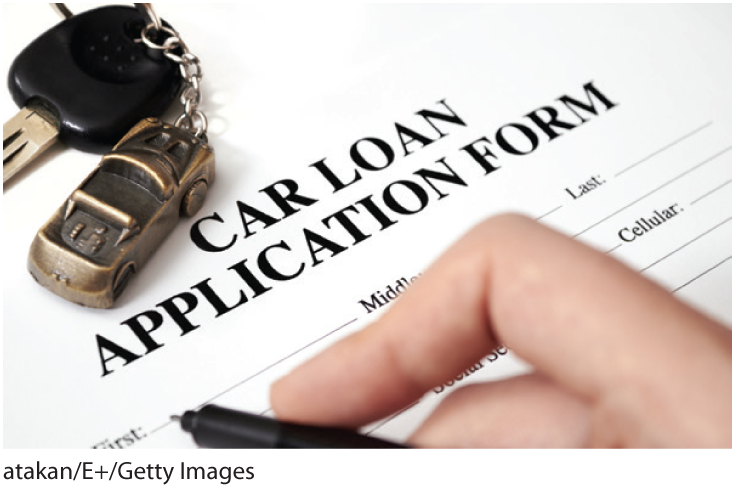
<point x="194" y="198"/>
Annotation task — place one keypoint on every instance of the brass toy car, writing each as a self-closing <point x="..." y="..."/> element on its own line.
<point x="120" y="214"/>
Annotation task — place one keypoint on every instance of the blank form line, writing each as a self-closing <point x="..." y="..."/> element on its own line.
<point x="153" y="431"/>
<point x="702" y="274"/>
<point x="671" y="144"/>
<point x="240" y="383"/>
<point x="712" y="191"/>
<point x="614" y="248"/>
<point x="276" y="363"/>
<point x="685" y="245"/>
<point x="549" y="212"/>
<point x="728" y="148"/>
<point x="385" y="421"/>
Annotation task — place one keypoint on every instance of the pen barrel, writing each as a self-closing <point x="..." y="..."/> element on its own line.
<point x="218" y="427"/>
<point x="305" y="436"/>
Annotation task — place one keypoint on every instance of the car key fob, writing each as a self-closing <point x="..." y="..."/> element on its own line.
<point x="95" y="74"/>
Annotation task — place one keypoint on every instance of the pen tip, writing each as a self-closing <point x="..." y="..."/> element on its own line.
<point x="176" y="418"/>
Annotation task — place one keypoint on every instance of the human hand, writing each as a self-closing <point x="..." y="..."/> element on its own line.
<point x="618" y="361"/>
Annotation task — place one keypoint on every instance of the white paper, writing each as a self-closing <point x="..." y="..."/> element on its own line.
<point x="297" y="87"/>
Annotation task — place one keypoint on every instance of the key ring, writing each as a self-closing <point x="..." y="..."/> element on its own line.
<point x="62" y="10"/>
<point x="146" y="9"/>
<point x="174" y="48"/>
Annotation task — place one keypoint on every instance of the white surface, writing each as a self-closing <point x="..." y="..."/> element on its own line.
<point x="286" y="87"/>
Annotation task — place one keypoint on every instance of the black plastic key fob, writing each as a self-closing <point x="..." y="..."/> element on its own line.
<point x="93" y="71"/>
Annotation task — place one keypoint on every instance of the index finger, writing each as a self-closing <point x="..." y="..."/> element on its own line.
<point x="579" y="316"/>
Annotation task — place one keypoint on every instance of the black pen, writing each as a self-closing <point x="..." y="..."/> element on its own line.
<point x="219" y="427"/>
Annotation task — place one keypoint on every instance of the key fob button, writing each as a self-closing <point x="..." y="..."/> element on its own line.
<point x="109" y="54"/>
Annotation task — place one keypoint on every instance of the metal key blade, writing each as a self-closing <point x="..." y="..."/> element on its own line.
<point x="25" y="136"/>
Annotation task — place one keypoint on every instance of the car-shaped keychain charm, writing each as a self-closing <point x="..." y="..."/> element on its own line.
<point x="110" y="225"/>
